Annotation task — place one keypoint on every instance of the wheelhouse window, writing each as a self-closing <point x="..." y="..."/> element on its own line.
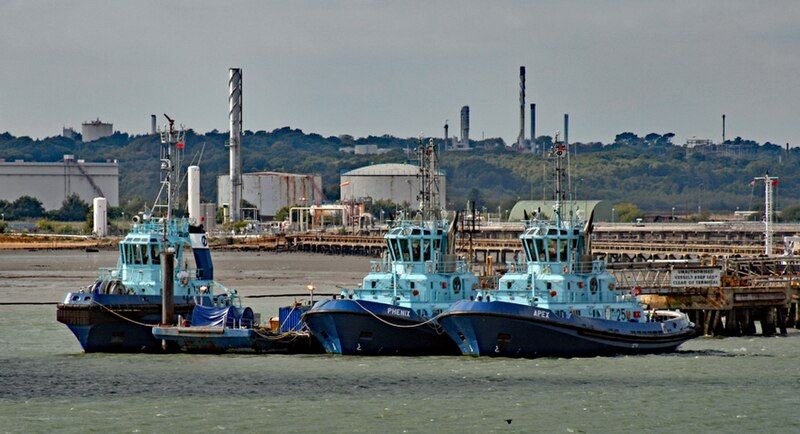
<point x="563" y="248"/>
<point x="405" y="252"/>
<point x="540" y="250"/>
<point x="155" y="255"/>
<point x="552" y="252"/>
<point x="416" y="252"/>
<point x="425" y="247"/>
<point x="137" y="254"/>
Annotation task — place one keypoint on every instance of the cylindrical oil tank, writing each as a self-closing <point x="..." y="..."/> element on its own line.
<point x="398" y="183"/>
<point x="100" y="214"/>
<point x="193" y="201"/>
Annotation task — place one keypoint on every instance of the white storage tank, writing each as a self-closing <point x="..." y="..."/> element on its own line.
<point x="100" y="216"/>
<point x="271" y="191"/>
<point x="193" y="196"/>
<point x="97" y="129"/>
<point x="398" y="183"/>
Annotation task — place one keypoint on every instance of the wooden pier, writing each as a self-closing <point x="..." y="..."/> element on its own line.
<point x="740" y="292"/>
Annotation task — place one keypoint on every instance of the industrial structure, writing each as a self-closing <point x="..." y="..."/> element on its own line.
<point x="271" y="191"/>
<point x="69" y="133"/>
<point x="235" y="144"/>
<point x="367" y="149"/>
<point x="398" y="183"/>
<point x="52" y="183"/>
<point x="521" y="136"/>
<point x="603" y="210"/>
<point x="533" y="129"/>
<point x="462" y="144"/>
<point x="97" y="129"/>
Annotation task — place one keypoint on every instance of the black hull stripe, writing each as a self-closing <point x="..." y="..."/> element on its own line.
<point x="392" y="319"/>
<point x="584" y="331"/>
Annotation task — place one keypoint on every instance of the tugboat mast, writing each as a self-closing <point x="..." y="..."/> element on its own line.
<point x="428" y="158"/>
<point x="559" y="151"/>
<point x="172" y="143"/>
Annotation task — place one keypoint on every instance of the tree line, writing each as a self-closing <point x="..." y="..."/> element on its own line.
<point x="648" y="170"/>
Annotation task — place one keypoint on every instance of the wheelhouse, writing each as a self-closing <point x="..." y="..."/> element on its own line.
<point x="412" y="243"/>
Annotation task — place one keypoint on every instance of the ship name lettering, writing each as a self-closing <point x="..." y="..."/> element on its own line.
<point x="398" y="312"/>
<point x="541" y="313"/>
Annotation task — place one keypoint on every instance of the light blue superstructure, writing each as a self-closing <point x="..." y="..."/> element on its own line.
<point x="394" y="311"/>
<point x="560" y="301"/>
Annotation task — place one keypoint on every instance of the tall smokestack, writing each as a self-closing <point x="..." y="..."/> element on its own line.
<point x="723" y="128"/>
<point x="521" y="137"/>
<point x="446" y="136"/>
<point x="533" y="128"/>
<point x="566" y="129"/>
<point x="235" y="117"/>
<point x="465" y="126"/>
<point x="153" y="130"/>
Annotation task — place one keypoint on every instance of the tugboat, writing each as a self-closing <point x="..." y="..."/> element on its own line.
<point x="560" y="302"/>
<point x="117" y="311"/>
<point x="394" y="312"/>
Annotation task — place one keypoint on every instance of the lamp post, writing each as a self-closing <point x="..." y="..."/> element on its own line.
<point x="672" y="216"/>
<point x="613" y="210"/>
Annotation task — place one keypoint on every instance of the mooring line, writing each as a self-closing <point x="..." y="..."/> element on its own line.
<point x="402" y="326"/>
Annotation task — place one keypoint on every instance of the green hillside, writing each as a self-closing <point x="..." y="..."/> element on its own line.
<point x="648" y="171"/>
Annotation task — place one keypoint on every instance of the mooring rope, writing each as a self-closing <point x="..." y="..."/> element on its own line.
<point x="401" y="326"/>
<point x="122" y="316"/>
<point x="281" y="336"/>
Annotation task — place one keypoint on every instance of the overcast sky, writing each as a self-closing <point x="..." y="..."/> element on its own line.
<point x="405" y="67"/>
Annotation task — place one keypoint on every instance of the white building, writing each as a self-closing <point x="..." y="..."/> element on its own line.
<point x="93" y="130"/>
<point x="52" y="183"/>
<point x="398" y="183"/>
<point x="271" y="191"/>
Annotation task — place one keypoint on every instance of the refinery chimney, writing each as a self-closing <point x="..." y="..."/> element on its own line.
<point x="446" y="136"/>
<point x="153" y="129"/>
<point x="235" y="144"/>
<point x="533" y="128"/>
<point x="465" y="126"/>
<point x="723" y="128"/>
<point x="521" y="136"/>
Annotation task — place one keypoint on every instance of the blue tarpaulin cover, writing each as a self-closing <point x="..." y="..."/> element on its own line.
<point x="210" y="316"/>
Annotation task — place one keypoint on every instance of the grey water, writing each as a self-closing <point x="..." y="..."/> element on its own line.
<point x="48" y="384"/>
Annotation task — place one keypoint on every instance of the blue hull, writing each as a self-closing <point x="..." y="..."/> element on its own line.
<point x="358" y="327"/>
<point x="510" y="330"/>
<point x="99" y="330"/>
<point x="115" y="337"/>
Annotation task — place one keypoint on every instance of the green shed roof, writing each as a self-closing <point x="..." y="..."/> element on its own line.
<point x="602" y="209"/>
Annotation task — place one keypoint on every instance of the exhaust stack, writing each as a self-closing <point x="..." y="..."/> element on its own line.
<point x="723" y="128"/>
<point x="521" y="136"/>
<point x="446" y="136"/>
<point x="235" y="118"/>
<point x="465" y="127"/>
<point x="533" y="128"/>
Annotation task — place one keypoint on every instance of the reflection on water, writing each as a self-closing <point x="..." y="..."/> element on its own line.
<point x="711" y="384"/>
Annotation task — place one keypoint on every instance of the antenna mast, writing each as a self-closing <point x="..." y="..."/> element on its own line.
<point x="172" y="143"/>
<point x="769" y="205"/>
<point x="559" y="152"/>
<point x="428" y="158"/>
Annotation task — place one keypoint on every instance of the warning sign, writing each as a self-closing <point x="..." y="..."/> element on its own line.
<point x="695" y="277"/>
